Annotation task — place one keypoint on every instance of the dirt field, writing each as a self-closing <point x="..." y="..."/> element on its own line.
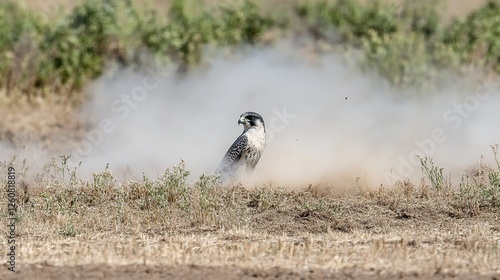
<point x="213" y="273"/>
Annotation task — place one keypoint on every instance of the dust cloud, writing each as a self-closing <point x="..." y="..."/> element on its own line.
<point x="327" y="123"/>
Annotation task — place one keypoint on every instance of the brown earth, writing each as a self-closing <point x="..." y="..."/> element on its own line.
<point x="37" y="272"/>
<point x="45" y="123"/>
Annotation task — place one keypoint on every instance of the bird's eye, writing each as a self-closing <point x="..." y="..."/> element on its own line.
<point x="250" y="118"/>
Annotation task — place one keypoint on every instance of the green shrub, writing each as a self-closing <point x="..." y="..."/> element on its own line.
<point x="96" y="31"/>
<point x="477" y="37"/>
<point x="183" y="38"/>
<point x="350" y="18"/>
<point x="433" y="173"/>
<point x="70" y="50"/>
<point x="408" y="46"/>
<point x="19" y="31"/>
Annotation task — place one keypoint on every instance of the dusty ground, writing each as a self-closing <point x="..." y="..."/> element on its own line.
<point x="214" y="273"/>
<point x="48" y="123"/>
<point x="407" y="233"/>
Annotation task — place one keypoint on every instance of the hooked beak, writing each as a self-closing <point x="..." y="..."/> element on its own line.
<point x="242" y="120"/>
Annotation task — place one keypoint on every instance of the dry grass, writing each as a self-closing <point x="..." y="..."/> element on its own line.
<point x="165" y="222"/>
<point x="50" y="123"/>
<point x="449" y="247"/>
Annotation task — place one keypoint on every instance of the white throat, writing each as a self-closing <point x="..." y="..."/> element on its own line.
<point x="256" y="136"/>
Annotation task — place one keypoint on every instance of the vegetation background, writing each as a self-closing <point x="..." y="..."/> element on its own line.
<point x="46" y="50"/>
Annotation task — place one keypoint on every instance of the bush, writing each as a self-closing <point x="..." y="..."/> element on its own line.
<point x="409" y="47"/>
<point x="477" y="38"/>
<point x="69" y="51"/>
<point x="94" y="32"/>
<point x="20" y="31"/>
<point x="183" y="38"/>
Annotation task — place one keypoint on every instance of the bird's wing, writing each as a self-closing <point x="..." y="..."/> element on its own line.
<point x="233" y="154"/>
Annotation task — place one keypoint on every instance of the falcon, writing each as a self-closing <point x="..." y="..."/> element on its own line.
<point x="246" y="149"/>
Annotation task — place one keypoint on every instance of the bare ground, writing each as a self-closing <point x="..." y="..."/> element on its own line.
<point x="215" y="273"/>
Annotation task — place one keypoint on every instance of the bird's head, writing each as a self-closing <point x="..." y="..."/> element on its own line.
<point x="251" y="120"/>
